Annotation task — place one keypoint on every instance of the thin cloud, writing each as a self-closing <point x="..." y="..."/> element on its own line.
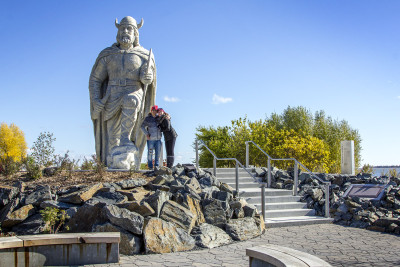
<point x="220" y="99"/>
<point x="171" y="99"/>
<point x="398" y="97"/>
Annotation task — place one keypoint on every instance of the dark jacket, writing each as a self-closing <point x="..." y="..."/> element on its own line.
<point x="150" y="127"/>
<point x="165" y="126"/>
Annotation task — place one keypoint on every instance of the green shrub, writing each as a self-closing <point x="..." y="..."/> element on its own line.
<point x="43" y="149"/>
<point x="54" y="219"/>
<point x="99" y="167"/>
<point x="366" y="168"/>
<point x="88" y="164"/>
<point x="65" y="163"/>
<point x="8" y="166"/>
<point x="34" y="171"/>
<point x="393" y="173"/>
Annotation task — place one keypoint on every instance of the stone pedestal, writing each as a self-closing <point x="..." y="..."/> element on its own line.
<point x="124" y="157"/>
<point x="347" y="163"/>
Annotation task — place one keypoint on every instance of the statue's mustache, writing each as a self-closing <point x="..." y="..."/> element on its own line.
<point x="125" y="39"/>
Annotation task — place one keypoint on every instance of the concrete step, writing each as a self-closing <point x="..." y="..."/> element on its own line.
<point x="254" y="192"/>
<point x="282" y="208"/>
<point x="246" y="186"/>
<point x="296" y="221"/>
<point x="232" y="180"/>
<point x="279" y="199"/>
<point x="228" y="170"/>
<point x="287" y="213"/>
<point x="233" y="175"/>
<point x="284" y="205"/>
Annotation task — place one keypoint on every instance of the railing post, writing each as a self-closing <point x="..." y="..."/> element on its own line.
<point x="327" y="209"/>
<point x="296" y="178"/>
<point x="215" y="166"/>
<point x="269" y="173"/>
<point x="263" y="200"/>
<point x="237" y="178"/>
<point x="247" y="154"/>
<point x="197" y="154"/>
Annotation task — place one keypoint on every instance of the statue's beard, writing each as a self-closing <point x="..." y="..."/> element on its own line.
<point x="125" y="39"/>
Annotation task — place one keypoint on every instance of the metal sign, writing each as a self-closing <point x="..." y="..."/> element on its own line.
<point x="369" y="191"/>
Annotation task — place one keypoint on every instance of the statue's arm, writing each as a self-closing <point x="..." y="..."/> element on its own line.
<point x="97" y="77"/>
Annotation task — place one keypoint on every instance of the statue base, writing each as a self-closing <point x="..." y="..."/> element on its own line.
<point x="124" y="157"/>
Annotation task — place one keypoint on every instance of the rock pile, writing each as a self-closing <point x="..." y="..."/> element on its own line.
<point x="380" y="215"/>
<point x="180" y="209"/>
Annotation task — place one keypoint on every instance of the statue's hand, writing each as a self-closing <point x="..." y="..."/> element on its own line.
<point x="147" y="78"/>
<point x="98" y="107"/>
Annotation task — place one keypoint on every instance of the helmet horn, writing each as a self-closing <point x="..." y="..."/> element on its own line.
<point x="140" y="24"/>
<point x="116" y="23"/>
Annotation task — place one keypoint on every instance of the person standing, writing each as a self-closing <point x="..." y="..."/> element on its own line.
<point x="164" y="122"/>
<point x="153" y="134"/>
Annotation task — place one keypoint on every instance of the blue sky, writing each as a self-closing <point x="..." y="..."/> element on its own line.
<point x="216" y="61"/>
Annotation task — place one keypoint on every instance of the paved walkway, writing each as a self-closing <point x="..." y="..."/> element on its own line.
<point x="338" y="245"/>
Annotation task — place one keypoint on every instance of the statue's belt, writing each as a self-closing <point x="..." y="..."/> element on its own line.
<point x="123" y="82"/>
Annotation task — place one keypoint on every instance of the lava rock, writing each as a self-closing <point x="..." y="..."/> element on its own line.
<point x="41" y="193"/>
<point x="156" y="201"/>
<point x="210" y="236"/>
<point x="165" y="237"/>
<point x="82" y="195"/>
<point x="143" y="208"/>
<point x="179" y="215"/>
<point x="109" y="198"/>
<point x="242" y="229"/>
<point x="56" y="204"/>
<point x="32" y="226"/>
<point x="7" y="193"/>
<point x="213" y="212"/>
<point x="131" y="183"/>
<point x="128" y="220"/>
<point x="129" y="244"/>
<point x="18" y="216"/>
<point x="86" y="216"/>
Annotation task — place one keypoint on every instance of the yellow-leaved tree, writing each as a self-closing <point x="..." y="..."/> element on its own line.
<point x="12" y="147"/>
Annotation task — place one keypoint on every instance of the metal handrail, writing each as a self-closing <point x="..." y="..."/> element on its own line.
<point x="296" y="181"/>
<point x="270" y="158"/>
<point x="215" y="158"/>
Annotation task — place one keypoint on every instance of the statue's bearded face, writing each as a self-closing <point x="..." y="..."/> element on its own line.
<point x="126" y="34"/>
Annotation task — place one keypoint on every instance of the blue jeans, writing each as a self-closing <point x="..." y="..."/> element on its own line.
<point x="153" y="145"/>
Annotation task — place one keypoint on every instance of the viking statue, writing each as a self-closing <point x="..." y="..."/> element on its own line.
<point x="123" y="76"/>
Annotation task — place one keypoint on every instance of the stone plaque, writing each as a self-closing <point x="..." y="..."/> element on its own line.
<point x="370" y="191"/>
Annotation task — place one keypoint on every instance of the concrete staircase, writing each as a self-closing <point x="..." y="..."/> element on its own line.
<point x="281" y="207"/>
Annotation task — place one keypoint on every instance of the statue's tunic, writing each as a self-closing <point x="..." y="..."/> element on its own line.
<point x="116" y="79"/>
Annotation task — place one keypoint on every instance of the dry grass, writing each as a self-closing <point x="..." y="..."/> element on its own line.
<point x="64" y="180"/>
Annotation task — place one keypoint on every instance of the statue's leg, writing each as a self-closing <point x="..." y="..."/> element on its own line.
<point x="114" y="133"/>
<point x="128" y="115"/>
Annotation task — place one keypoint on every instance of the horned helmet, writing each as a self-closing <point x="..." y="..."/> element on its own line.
<point x="128" y="20"/>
